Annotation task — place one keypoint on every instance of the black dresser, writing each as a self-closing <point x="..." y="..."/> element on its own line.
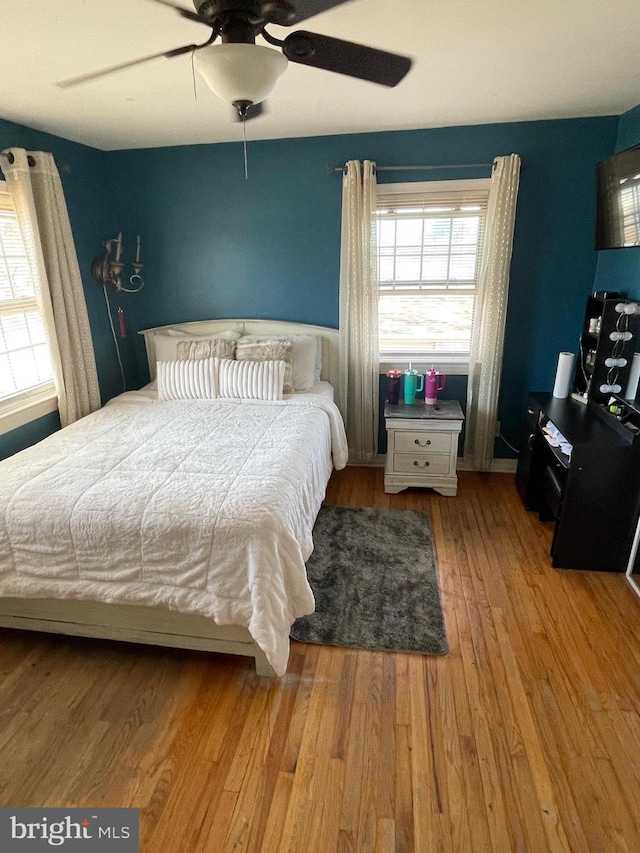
<point x="589" y="482"/>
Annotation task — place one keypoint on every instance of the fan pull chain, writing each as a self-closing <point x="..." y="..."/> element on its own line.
<point x="244" y="136"/>
<point x="193" y="74"/>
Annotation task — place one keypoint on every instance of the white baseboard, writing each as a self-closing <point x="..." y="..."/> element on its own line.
<point x="498" y="466"/>
<point x="378" y="462"/>
<point x="504" y="466"/>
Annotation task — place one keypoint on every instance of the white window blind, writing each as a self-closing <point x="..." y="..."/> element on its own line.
<point x="429" y="253"/>
<point x="24" y="353"/>
<point x="630" y="209"/>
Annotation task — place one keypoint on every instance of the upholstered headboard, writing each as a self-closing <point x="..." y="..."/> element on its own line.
<point x="329" y="337"/>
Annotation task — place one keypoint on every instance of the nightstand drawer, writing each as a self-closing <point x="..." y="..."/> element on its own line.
<point x="421" y="442"/>
<point x="420" y="463"/>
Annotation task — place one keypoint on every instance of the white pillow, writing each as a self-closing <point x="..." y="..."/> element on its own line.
<point x="167" y="342"/>
<point x="187" y="380"/>
<point x="228" y="334"/>
<point x="318" y="368"/>
<point x="198" y="329"/>
<point x="304" y="354"/>
<point x="250" y="380"/>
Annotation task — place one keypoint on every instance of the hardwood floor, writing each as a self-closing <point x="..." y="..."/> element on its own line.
<point x="525" y="737"/>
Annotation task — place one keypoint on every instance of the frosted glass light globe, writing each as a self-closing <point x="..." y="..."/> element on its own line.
<point x="240" y="72"/>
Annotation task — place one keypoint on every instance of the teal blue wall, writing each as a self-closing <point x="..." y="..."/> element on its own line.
<point x="619" y="269"/>
<point x="216" y="245"/>
<point x="628" y="129"/>
<point x="88" y="201"/>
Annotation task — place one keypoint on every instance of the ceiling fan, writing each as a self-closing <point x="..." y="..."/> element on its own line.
<point x="242" y="73"/>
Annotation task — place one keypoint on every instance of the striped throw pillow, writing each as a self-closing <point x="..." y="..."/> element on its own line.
<point x="187" y="380"/>
<point x="251" y="380"/>
<point x="255" y="348"/>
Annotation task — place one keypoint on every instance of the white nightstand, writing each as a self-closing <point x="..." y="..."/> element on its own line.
<point x="422" y="446"/>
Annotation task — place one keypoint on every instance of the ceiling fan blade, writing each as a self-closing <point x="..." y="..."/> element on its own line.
<point x="185" y="13"/>
<point x="345" y="57"/>
<point x="95" y="75"/>
<point x="305" y="9"/>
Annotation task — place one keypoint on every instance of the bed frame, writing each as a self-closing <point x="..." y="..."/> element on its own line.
<point x="155" y="625"/>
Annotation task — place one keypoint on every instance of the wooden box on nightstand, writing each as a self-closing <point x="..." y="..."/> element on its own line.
<point x="422" y="446"/>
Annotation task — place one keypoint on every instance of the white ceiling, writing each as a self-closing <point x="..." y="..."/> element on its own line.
<point x="475" y="62"/>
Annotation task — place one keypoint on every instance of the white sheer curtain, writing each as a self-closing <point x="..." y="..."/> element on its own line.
<point x="485" y="365"/>
<point x="37" y="195"/>
<point x="359" y="311"/>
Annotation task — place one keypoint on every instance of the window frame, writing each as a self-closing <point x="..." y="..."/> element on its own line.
<point x="24" y="406"/>
<point x="452" y="364"/>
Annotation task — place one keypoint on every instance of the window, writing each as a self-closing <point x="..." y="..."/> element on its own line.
<point x="430" y="240"/>
<point x="26" y="376"/>
<point x="630" y="209"/>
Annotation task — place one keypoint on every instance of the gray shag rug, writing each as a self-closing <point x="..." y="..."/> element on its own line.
<point x="373" y="574"/>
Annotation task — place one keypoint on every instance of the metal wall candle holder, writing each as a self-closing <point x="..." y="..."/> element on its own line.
<point x="107" y="268"/>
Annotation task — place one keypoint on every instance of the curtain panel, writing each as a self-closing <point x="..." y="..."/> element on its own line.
<point x="359" y="367"/>
<point x="487" y="345"/>
<point x="38" y="198"/>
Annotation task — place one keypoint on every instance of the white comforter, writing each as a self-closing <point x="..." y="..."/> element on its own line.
<point x="203" y="507"/>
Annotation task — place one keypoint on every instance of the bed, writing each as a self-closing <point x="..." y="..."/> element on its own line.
<point x="176" y="523"/>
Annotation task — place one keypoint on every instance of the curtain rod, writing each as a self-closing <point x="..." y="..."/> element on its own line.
<point x="332" y="169"/>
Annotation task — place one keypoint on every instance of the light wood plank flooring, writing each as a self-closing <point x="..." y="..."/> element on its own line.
<point x="525" y="737"/>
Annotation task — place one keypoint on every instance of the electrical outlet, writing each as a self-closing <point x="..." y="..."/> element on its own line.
<point x="497" y="429"/>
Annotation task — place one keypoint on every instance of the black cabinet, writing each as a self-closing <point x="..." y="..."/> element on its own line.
<point x="592" y="492"/>
<point x="605" y="350"/>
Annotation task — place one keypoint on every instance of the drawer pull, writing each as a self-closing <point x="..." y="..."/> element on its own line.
<point x="419" y="465"/>
<point x="422" y="443"/>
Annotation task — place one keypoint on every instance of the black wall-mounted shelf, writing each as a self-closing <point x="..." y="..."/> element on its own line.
<point x="595" y="347"/>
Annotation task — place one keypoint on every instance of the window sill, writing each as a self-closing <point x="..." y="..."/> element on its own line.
<point x="450" y="365"/>
<point x="21" y="409"/>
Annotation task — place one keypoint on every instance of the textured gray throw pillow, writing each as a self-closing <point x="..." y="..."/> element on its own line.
<point x="205" y="348"/>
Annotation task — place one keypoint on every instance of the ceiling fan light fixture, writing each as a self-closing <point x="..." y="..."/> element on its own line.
<point x="240" y="72"/>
